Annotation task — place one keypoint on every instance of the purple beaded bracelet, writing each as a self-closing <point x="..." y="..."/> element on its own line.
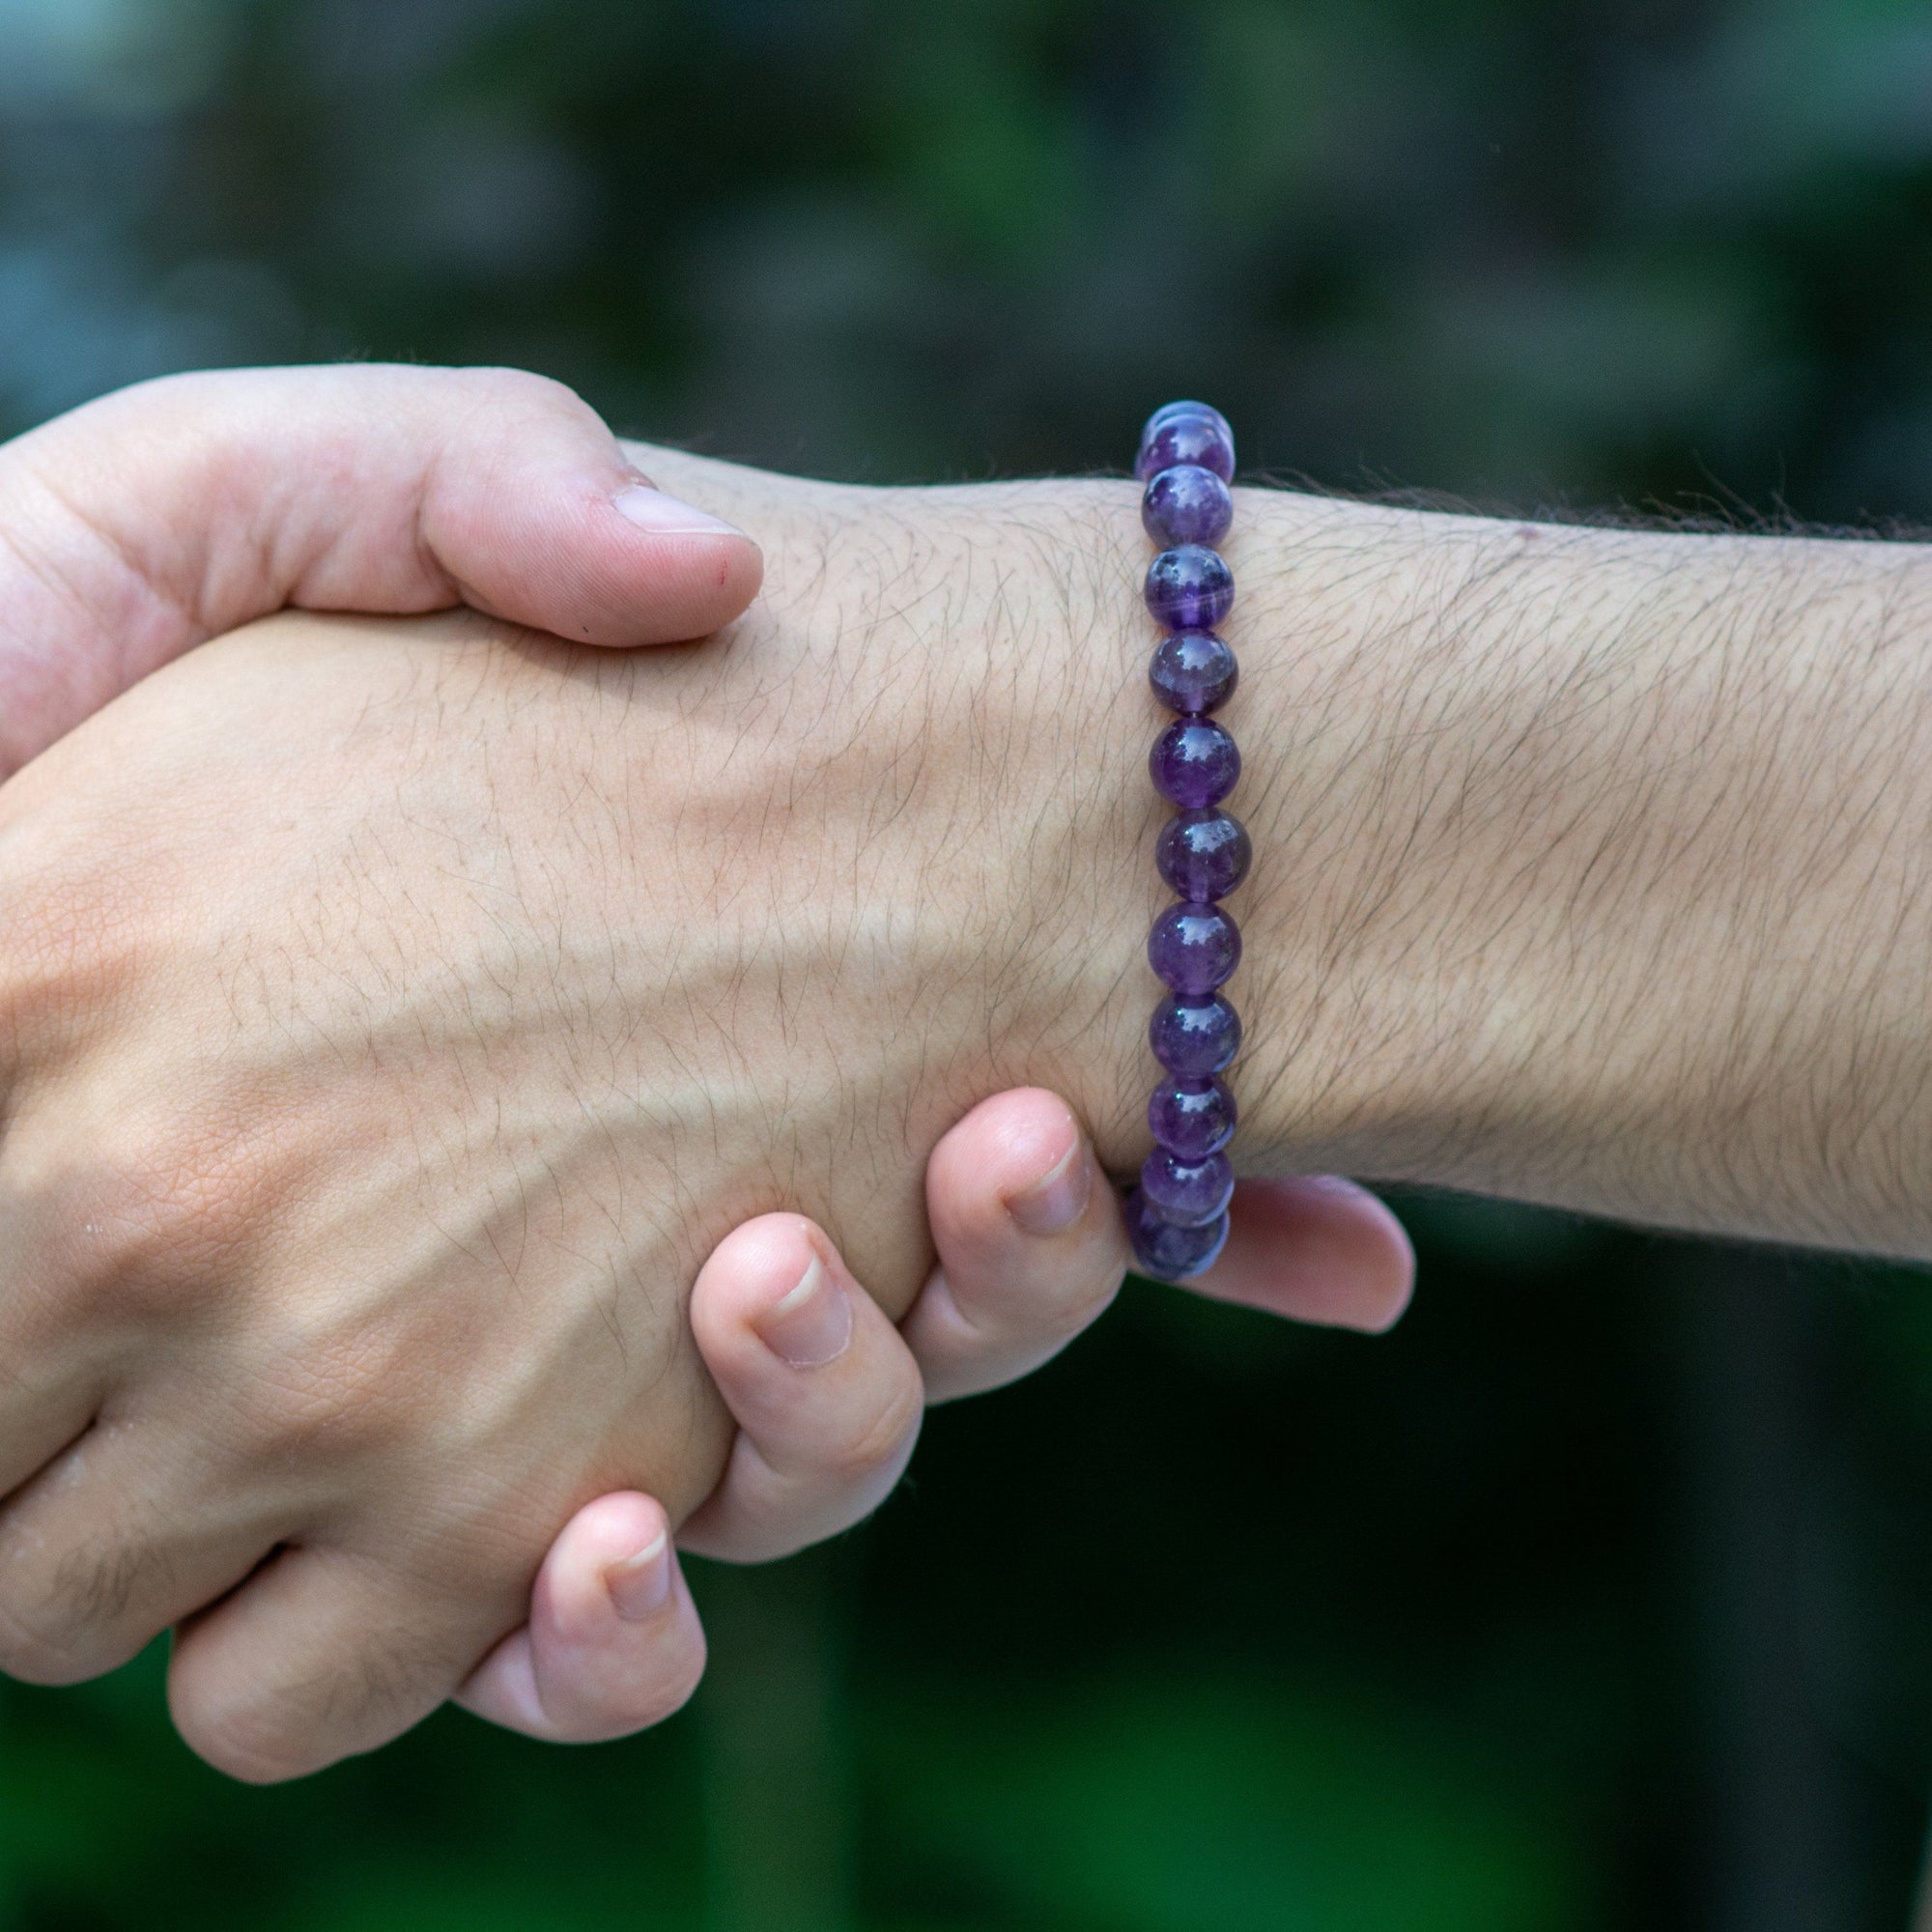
<point x="1178" y="1216"/>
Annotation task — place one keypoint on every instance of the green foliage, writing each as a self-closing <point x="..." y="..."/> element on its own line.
<point x="1182" y="1804"/>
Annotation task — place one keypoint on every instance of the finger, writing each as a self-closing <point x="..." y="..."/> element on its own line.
<point x="1031" y="1244"/>
<point x="614" y="1643"/>
<point x="41" y="1416"/>
<point x="111" y="1544"/>
<point x="826" y="1394"/>
<point x="164" y="515"/>
<point x="324" y="1652"/>
<point x="1318" y="1249"/>
<point x="58" y="1362"/>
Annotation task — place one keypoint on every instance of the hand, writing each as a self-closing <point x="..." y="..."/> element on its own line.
<point x="1493" y="738"/>
<point x="164" y="515"/>
<point x="613" y="1642"/>
<point x="245" y="1036"/>
<point x="148" y="520"/>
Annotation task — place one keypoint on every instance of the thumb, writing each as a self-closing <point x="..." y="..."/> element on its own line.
<point x="156" y="518"/>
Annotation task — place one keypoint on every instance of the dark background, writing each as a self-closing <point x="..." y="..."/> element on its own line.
<point x="1597" y="1595"/>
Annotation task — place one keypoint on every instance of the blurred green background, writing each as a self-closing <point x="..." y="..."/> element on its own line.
<point x="1597" y="1595"/>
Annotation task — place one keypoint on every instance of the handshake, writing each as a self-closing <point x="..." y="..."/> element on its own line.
<point x="455" y="1076"/>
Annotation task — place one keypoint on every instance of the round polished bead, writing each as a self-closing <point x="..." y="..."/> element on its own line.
<point x="1194" y="1037"/>
<point x="1194" y="763"/>
<point x="1194" y="948"/>
<point x="1193" y="672"/>
<point x="1186" y="504"/>
<point x="1192" y="1118"/>
<point x="1185" y="405"/>
<point x="1190" y="587"/>
<point x="1187" y="433"/>
<point x="1204" y="855"/>
<point x="1166" y="1252"/>
<point x="1189" y="1193"/>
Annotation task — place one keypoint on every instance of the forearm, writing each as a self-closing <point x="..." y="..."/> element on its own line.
<point x="1592" y="866"/>
<point x="1589" y="862"/>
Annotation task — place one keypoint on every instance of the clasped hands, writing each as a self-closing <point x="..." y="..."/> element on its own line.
<point x="456" y="1076"/>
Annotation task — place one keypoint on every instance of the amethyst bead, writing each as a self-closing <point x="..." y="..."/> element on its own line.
<point x="1177" y="1217"/>
<point x="1192" y="1118"/>
<point x="1188" y="1193"/>
<point x="1187" y="406"/>
<point x="1189" y="587"/>
<point x="1187" y="433"/>
<point x="1204" y="855"/>
<point x="1193" y="672"/>
<point x="1195" y="1038"/>
<point x="1194" y="763"/>
<point x="1194" y="948"/>
<point x="1169" y="1253"/>
<point x="1186" y="504"/>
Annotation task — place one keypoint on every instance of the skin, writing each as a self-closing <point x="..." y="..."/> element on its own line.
<point x="158" y="517"/>
<point x="1594" y="880"/>
<point x="1592" y="861"/>
<point x="816" y="1446"/>
<point x="138" y="526"/>
<point x="319" y="1011"/>
<point x="1591" y="873"/>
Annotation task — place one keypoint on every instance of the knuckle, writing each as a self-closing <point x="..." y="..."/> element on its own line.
<point x="299" y="1416"/>
<point x="525" y="388"/>
<point x="1024" y="1315"/>
<point x="333" y="1383"/>
<point x="63" y="913"/>
<point x="1082" y="1298"/>
<point x="157" y="1205"/>
<point x="73" y="1613"/>
<point x="265" y="1725"/>
<point x="664" y="1692"/>
<point x="249" y="1741"/>
<point x="183" y="1198"/>
<point x="36" y="1647"/>
<point x="676" y="1691"/>
<point x="143" y="1184"/>
<point x="882" y="1434"/>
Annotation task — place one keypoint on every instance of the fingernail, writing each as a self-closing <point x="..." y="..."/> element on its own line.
<point x="1058" y="1198"/>
<point x="812" y="1324"/>
<point x="665" y="517"/>
<point x="639" y="1585"/>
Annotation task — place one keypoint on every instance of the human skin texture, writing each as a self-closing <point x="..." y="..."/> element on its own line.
<point x="560" y="938"/>
<point x="145" y="523"/>
<point x="1590" y="864"/>
<point x="393" y="1016"/>
<point x="133" y="530"/>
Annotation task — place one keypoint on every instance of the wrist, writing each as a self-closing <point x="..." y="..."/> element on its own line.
<point x="1030" y="593"/>
<point x="1586" y="863"/>
<point x="973" y="662"/>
